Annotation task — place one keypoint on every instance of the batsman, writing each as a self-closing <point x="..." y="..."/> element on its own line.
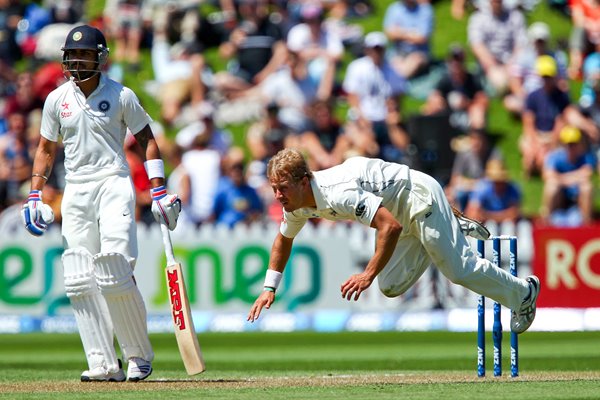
<point x="90" y="113"/>
<point x="415" y="225"/>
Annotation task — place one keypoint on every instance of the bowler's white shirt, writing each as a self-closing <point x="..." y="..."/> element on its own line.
<point x="353" y="190"/>
<point x="92" y="129"/>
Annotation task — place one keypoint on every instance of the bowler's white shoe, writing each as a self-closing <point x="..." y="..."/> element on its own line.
<point x="100" y="374"/>
<point x="471" y="227"/>
<point x="522" y="319"/>
<point x="138" y="369"/>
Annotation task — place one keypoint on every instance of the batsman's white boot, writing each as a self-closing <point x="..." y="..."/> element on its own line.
<point x="471" y="227"/>
<point x="138" y="369"/>
<point x="522" y="319"/>
<point x="100" y="374"/>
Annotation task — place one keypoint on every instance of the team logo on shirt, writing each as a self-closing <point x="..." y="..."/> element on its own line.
<point x="104" y="106"/>
<point x="360" y="210"/>
<point x="65" y="113"/>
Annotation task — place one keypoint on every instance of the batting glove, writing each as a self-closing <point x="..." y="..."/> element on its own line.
<point x="36" y="215"/>
<point x="165" y="207"/>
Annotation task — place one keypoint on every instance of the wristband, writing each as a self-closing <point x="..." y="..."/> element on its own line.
<point x="269" y="289"/>
<point x="272" y="279"/>
<point x="155" y="168"/>
<point x="158" y="192"/>
<point x="35" y="195"/>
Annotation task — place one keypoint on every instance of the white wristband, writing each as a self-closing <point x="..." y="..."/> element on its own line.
<point x="155" y="168"/>
<point x="273" y="278"/>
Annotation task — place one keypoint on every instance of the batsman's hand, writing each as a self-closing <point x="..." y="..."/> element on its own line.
<point x="355" y="285"/>
<point x="36" y="215"/>
<point x="165" y="207"/>
<point x="265" y="300"/>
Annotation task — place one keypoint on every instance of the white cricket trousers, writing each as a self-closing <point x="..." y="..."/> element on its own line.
<point x="434" y="236"/>
<point x="100" y="217"/>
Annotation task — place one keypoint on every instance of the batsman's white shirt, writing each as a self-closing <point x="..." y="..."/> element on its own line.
<point x="93" y="129"/>
<point x="98" y="205"/>
<point x="355" y="190"/>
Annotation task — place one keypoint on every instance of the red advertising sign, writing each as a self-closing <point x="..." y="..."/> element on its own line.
<point x="567" y="261"/>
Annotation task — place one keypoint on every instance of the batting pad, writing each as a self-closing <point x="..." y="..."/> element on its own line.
<point x="90" y="309"/>
<point x="114" y="277"/>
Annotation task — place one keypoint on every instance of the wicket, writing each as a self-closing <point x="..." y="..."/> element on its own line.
<point x="497" y="326"/>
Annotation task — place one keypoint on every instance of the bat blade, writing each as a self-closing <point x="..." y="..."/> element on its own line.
<point x="187" y="340"/>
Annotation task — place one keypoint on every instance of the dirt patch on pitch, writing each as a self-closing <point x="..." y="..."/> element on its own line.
<point x="296" y="381"/>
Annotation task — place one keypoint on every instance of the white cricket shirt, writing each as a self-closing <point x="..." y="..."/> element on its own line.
<point x="353" y="190"/>
<point x="93" y="129"/>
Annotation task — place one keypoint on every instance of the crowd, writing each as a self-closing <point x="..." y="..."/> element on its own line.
<point x="285" y="78"/>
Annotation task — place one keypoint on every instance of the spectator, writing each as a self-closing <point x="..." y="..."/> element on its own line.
<point x="24" y="100"/>
<point x="314" y="44"/>
<point x="496" y="197"/>
<point x="496" y="36"/>
<point x="255" y="49"/>
<point x="469" y="167"/>
<point x="179" y="70"/>
<point x="293" y="89"/>
<point x="524" y="78"/>
<point x="124" y="19"/>
<point x="203" y="167"/>
<point x="178" y="182"/>
<point x="568" y="188"/>
<point x="585" y="34"/>
<point x="459" y="94"/>
<point x="373" y="90"/>
<point x="591" y="76"/>
<point x="325" y="142"/>
<point x="11" y="12"/>
<point x="204" y="113"/>
<point x="409" y="25"/>
<point x="15" y="159"/>
<point x="236" y="201"/>
<point x="543" y="117"/>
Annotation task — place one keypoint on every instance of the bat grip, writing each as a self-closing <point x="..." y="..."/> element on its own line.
<point x="166" y="236"/>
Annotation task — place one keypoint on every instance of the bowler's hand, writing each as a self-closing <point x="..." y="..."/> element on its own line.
<point x="265" y="300"/>
<point x="355" y="285"/>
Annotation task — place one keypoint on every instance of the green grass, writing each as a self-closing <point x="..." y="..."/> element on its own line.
<point x="423" y="365"/>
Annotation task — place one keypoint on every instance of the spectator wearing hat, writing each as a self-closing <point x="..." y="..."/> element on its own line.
<point x="496" y="197"/>
<point x="496" y="36"/>
<point x="409" y="24"/>
<point x="459" y="94"/>
<point x="568" y="188"/>
<point x="523" y="77"/>
<point x="373" y="89"/>
<point x="543" y="118"/>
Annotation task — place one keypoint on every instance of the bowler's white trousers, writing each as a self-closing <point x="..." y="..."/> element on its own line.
<point x="434" y="236"/>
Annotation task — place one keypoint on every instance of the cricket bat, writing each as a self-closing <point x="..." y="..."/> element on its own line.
<point x="187" y="340"/>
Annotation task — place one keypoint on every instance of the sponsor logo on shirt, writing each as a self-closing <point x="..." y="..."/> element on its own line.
<point x="65" y="113"/>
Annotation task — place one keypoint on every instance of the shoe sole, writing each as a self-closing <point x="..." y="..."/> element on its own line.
<point x="137" y="379"/>
<point x="534" y="297"/>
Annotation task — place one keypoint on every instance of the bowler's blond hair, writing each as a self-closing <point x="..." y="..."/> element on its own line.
<point x="288" y="164"/>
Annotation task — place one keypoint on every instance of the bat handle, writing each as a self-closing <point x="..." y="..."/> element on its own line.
<point x="166" y="236"/>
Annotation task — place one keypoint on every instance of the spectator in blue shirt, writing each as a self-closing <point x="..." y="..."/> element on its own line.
<point x="235" y="200"/>
<point x="567" y="175"/>
<point x="495" y="197"/>
<point x="409" y="24"/>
